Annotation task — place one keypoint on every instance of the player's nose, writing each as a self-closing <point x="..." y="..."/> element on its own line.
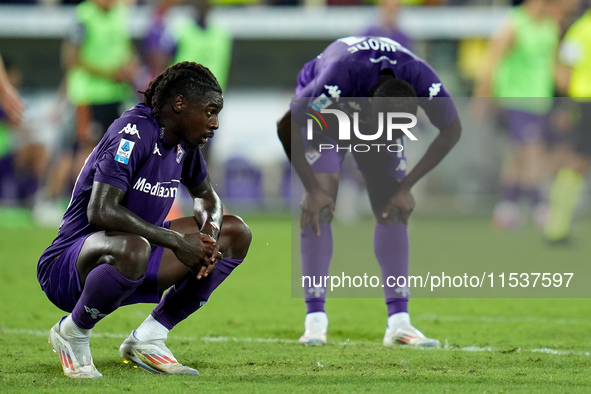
<point x="214" y="123"/>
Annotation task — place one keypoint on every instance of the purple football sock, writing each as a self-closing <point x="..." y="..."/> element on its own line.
<point x="316" y="254"/>
<point x="534" y="195"/>
<point x="190" y="294"/>
<point x="511" y="192"/>
<point x="391" y="249"/>
<point x="103" y="292"/>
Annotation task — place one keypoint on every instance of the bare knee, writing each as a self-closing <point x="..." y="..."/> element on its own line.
<point x="235" y="237"/>
<point x="395" y="217"/>
<point x="325" y="216"/>
<point x="130" y="256"/>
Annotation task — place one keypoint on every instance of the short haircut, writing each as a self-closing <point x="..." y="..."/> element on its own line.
<point x="398" y="94"/>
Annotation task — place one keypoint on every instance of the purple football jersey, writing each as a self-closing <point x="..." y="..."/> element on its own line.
<point x="351" y="67"/>
<point x="134" y="157"/>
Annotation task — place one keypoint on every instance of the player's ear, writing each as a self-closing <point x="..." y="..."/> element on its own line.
<point x="178" y="103"/>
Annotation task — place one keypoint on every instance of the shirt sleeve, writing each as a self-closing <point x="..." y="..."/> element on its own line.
<point x="123" y="151"/>
<point x="339" y="79"/>
<point x="194" y="169"/>
<point x="432" y="95"/>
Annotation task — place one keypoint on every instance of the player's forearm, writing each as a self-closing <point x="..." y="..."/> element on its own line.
<point x="209" y="213"/>
<point x="294" y="149"/>
<point x="120" y="219"/>
<point x="284" y="133"/>
<point x="106" y="213"/>
<point x="439" y="148"/>
<point x="482" y="88"/>
<point x="498" y="48"/>
<point x="207" y="208"/>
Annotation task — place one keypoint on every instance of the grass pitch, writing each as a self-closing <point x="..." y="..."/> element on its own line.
<point x="245" y="338"/>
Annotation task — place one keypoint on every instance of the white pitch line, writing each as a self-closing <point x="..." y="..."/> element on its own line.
<point x="222" y="339"/>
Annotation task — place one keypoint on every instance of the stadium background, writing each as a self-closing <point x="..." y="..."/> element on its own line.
<point x="271" y="43"/>
<point x="494" y="345"/>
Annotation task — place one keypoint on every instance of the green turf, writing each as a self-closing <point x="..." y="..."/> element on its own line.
<point x="244" y="340"/>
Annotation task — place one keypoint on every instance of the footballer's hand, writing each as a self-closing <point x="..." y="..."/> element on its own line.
<point x="404" y="201"/>
<point x="211" y="260"/>
<point x="313" y="202"/>
<point x="196" y="251"/>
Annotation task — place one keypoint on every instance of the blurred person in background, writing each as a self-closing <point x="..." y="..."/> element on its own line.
<point x="574" y="80"/>
<point x="559" y="118"/>
<point x="519" y="71"/>
<point x="101" y="64"/>
<point x="54" y="193"/>
<point x="348" y="68"/>
<point x="157" y="45"/>
<point x="387" y="23"/>
<point x="23" y="154"/>
<point x="200" y="40"/>
<point x="10" y="99"/>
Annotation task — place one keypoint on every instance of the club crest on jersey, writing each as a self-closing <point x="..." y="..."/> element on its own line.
<point x="320" y="102"/>
<point x="124" y="151"/>
<point x="131" y="130"/>
<point x="179" y="153"/>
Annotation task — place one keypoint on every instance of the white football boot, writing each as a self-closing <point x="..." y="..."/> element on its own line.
<point x="316" y="324"/>
<point x="71" y="344"/>
<point x="153" y="356"/>
<point x="399" y="331"/>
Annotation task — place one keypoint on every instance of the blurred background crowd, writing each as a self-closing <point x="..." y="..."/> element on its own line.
<point x="255" y="48"/>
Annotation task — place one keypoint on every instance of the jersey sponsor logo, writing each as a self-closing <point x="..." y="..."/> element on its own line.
<point x="159" y="189"/>
<point x="179" y="153"/>
<point x="320" y="102"/>
<point x="124" y="151"/>
<point x="334" y="91"/>
<point x="131" y="130"/>
<point x="434" y="90"/>
<point x="381" y="58"/>
<point x="156" y="151"/>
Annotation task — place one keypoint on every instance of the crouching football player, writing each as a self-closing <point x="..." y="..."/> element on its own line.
<point x="114" y="248"/>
